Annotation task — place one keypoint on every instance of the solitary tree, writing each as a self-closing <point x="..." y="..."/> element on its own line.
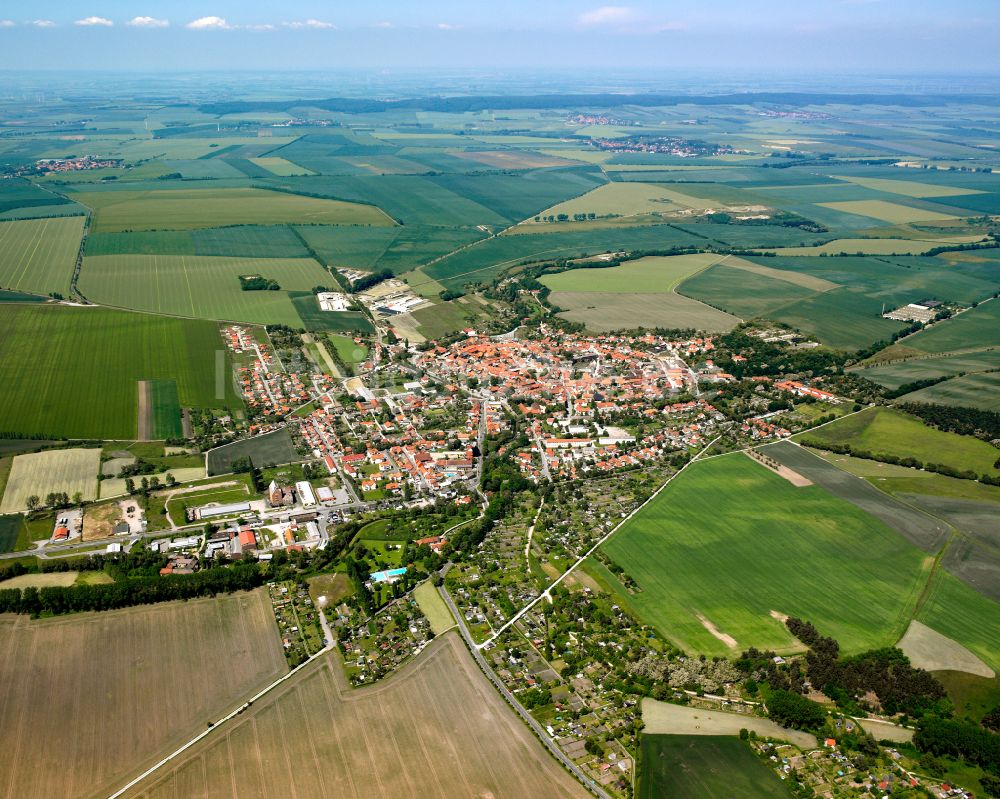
<point x="33" y="502"/>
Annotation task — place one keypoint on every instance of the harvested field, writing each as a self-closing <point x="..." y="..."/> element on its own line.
<point x="663" y="718"/>
<point x="39" y="255"/>
<point x="41" y="580"/>
<point x="908" y="188"/>
<point x="679" y="767"/>
<point x="436" y="728"/>
<point x="433" y="607"/>
<point x="616" y="311"/>
<point x="512" y="159"/>
<point x="115" y="486"/>
<point x="651" y="275"/>
<point x="116" y="690"/>
<point x="281" y="166"/>
<point x="39" y="473"/>
<point x="928" y="649"/>
<point x="802" y="279"/>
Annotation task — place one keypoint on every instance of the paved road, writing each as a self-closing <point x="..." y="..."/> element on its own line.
<point x="557" y="753"/>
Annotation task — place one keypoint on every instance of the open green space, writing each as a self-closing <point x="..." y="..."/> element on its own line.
<point x="39" y="255"/>
<point x="348" y="350"/>
<point x="200" y="286"/>
<point x="181" y="209"/>
<point x="974" y="329"/>
<point x="165" y="409"/>
<point x="72" y="372"/>
<point x="683" y="766"/>
<point x="886" y="431"/>
<point x="246" y="241"/>
<point x="728" y="543"/>
<point x="315" y="319"/>
<point x="960" y="612"/>
<point x="267" y="450"/>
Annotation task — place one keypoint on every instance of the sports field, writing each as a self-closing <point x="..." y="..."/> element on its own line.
<point x="436" y="728"/>
<point x="39" y="473"/>
<point x="723" y="547"/>
<point x="39" y="255"/>
<point x="75" y="370"/>
<point x="200" y="287"/>
<point x="887" y="431"/>
<point x="681" y="766"/>
<point x="974" y="329"/>
<point x="181" y="209"/>
<point x="91" y="699"/>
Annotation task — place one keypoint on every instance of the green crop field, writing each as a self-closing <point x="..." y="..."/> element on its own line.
<point x="317" y="320"/>
<point x="10" y="531"/>
<point x="165" y="409"/>
<point x="200" y="287"/>
<point x="266" y="450"/>
<point x="729" y="542"/>
<point x="683" y="766"/>
<point x="895" y="213"/>
<point x="73" y="372"/>
<point x="19" y="194"/>
<point x="973" y="329"/>
<point x="181" y="209"/>
<point x="744" y="293"/>
<point x="893" y="375"/>
<point x="959" y="612"/>
<point x="281" y="166"/>
<point x="975" y="391"/>
<point x="246" y="241"/>
<point x="39" y="255"/>
<point x="887" y="431"/>
<point x="602" y="312"/>
<point x="653" y="275"/>
<point x="348" y="350"/>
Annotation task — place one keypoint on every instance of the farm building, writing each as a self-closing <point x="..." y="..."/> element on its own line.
<point x="223" y="510"/>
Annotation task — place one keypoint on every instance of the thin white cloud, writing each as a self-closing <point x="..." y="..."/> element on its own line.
<point x="608" y="15"/>
<point x="383" y="24"/>
<point x="148" y="22"/>
<point x="88" y="22"/>
<point x="313" y="24"/>
<point x="445" y="26"/>
<point x="266" y="26"/>
<point x="43" y="23"/>
<point x="7" y="23"/>
<point x="208" y="23"/>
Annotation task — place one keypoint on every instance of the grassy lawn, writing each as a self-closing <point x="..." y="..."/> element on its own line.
<point x="725" y="544"/>
<point x="886" y="431"/>
<point x="684" y="766"/>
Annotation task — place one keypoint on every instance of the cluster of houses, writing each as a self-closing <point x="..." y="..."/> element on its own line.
<point x="265" y="388"/>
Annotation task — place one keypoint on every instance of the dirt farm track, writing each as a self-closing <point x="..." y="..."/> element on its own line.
<point x="435" y="729"/>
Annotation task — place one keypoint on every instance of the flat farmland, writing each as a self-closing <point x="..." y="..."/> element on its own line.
<point x="621" y="199"/>
<point x="54" y="352"/>
<point x="91" y="699"/>
<point x="747" y="293"/>
<point x="637" y="293"/>
<point x="281" y="166"/>
<point x="909" y="188"/>
<point x="885" y="431"/>
<point x="976" y="391"/>
<point x="893" y="375"/>
<point x="973" y="329"/>
<point x="895" y="213"/>
<point x="435" y="729"/>
<point x="38" y="473"/>
<point x="269" y="449"/>
<point x="961" y="613"/>
<point x="723" y="546"/>
<point x="201" y="287"/>
<point x="615" y="311"/>
<point x="681" y="766"/>
<point x="652" y="275"/>
<point x="182" y="209"/>
<point x="39" y="255"/>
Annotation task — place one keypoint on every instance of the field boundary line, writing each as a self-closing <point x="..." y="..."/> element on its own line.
<point x="208" y="731"/>
<point x="594" y="548"/>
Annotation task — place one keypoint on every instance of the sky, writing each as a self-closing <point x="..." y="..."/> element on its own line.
<point x="957" y="36"/>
